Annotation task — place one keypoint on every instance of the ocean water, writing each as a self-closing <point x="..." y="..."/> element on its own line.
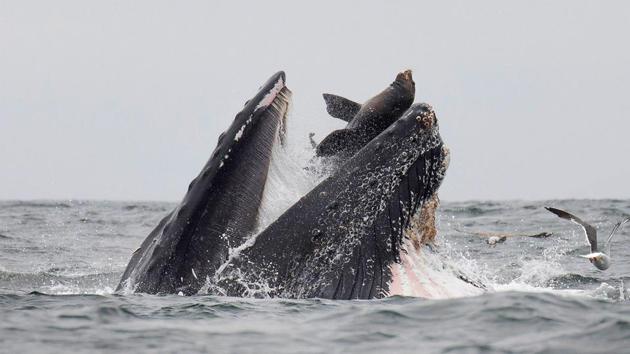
<point x="61" y="260"/>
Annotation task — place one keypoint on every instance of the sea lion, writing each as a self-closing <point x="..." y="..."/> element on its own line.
<point x="365" y="121"/>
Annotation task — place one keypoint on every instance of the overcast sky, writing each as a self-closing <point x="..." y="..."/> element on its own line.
<point x="126" y="99"/>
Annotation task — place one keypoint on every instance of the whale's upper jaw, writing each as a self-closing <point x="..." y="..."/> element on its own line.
<point x="339" y="240"/>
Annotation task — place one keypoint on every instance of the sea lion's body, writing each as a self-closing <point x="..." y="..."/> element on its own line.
<point x="368" y="120"/>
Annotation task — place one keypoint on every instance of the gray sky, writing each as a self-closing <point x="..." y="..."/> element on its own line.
<point x="126" y="99"/>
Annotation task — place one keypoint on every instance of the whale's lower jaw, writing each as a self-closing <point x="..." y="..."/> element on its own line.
<point x="421" y="270"/>
<point x="220" y="209"/>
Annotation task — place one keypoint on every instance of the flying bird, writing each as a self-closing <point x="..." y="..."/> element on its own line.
<point x="599" y="259"/>
<point x="494" y="238"/>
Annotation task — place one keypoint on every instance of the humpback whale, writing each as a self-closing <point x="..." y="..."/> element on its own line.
<point x="356" y="235"/>
<point x="368" y="120"/>
<point x="344" y="238"/>
<point x="220" y="209"/>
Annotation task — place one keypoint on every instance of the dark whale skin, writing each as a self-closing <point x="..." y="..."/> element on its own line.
<point x="339" y="240"/>
<point x="220" y="209"/>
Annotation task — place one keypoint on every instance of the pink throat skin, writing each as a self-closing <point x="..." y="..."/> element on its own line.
<point x="421" y="273"/>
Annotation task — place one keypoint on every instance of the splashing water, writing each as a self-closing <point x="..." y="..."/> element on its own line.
<point x="288" y="180"/>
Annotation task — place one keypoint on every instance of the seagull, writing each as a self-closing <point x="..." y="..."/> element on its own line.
<point x="600" y="259"/>
<point x="494" y="238"/>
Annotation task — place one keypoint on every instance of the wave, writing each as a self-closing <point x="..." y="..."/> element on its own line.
<point x="51" y="283"/>
<point x="505" y="322"/>
<point x="34" y="204"/>
<point x="571" y="280"/>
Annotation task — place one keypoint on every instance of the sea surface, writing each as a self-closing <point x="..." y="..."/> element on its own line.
<point x="60" y="262"/>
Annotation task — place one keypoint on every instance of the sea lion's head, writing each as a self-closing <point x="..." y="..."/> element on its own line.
<point x="404" y="80"/>
<point x="404" y="90"/>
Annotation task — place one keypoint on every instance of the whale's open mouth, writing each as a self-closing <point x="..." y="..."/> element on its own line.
<point x="345" y="239"/>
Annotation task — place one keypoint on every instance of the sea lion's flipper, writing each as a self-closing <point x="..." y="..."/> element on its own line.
<point x="340" y="107"/>
<point x="313" y="142"/>
<point x="337" y="141"/>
